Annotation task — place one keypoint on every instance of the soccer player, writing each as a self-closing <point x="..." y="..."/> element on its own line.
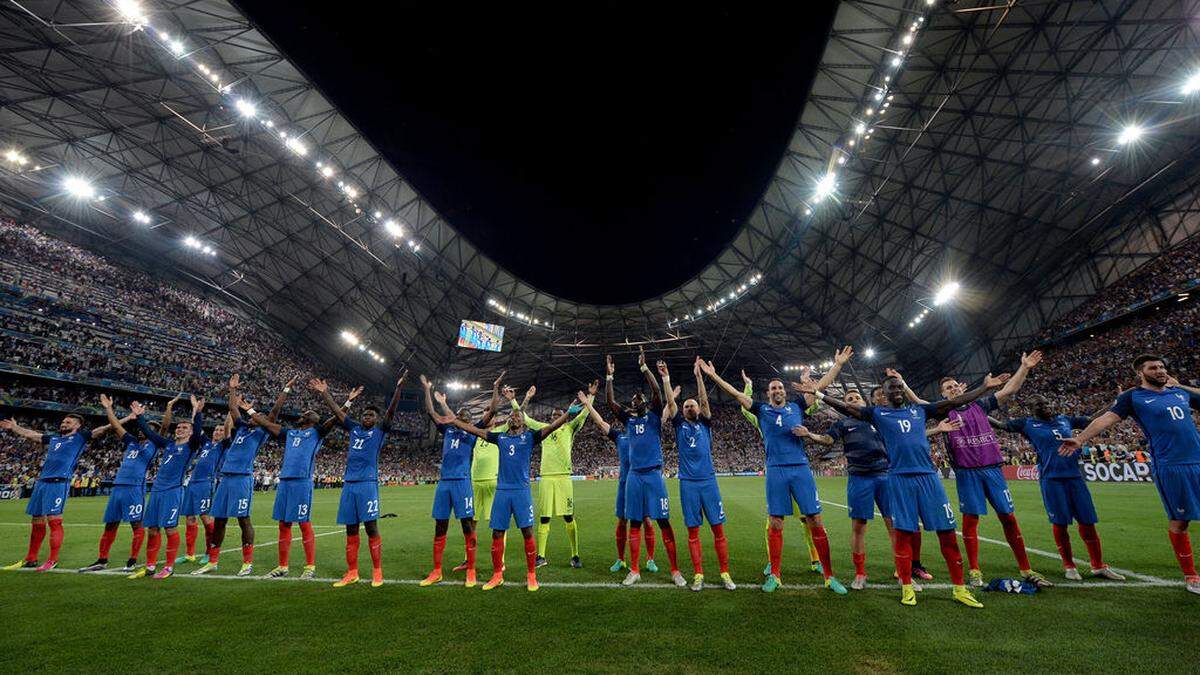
<point x="917" y="495"/>
<point x="128" y="496"/>
<point x="49" y="496"/>
<point x="198" y="493"/>
<point x="699" y="494"/>
<point x="166" y="496"/>
<point x="485" y="465"/>
<point x="1064" y="491"/>
<point x="1162" y="413"/>
<point x="789" y="477"/>
<point x="975" y="454"/>
<point x="235" y="492"/>
<point x="645" y="491"/>
<point x="513" y="499"/>
<point x="360" y="491"/>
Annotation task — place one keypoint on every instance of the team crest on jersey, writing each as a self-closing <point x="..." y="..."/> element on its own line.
<point x="912" y="411"/>
<point x="1181" y="397"/>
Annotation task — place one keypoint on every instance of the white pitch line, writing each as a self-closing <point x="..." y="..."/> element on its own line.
<point x="275" y="542"/>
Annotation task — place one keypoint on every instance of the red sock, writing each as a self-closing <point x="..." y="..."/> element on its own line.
<point x="56" y="538"/>
<point x="497" y="555"/>
<point x="1182" y="543"/>
<point x="953" y="558"/>
<point x="722" y="545"/>
<point x="375" y="544"/>
<point x="106" y="541"/>
<point x="471" y="545"/>
<point x="172" y="547"/>
<point x="1091" y="539"/>
<point x="285" y="543"/>
<point x="694" y="549"/>
<point x="208" y="532"/>
<point x="775" y="550"/>
<point x="649" y="530"/>
<point x="621" y="537"/>
<point x="352" y="553"/>
<point x="668" y="537"/>
<point x="1062" y="539"/>
<point x="152" y="548"/>
<point x="135" y="546"/>
<point x="915" y="538"/>
<point x="439" y="547"/>
<point x="860" y="563"/>
<point x="970" y="539"/>
<point x="531" y="553"/>
<point x="635" y="549"/>
<point x="902" y="550"/>
<point x="1012" y="532"/>
<point x="189" y="534"/>
<point x="309" y="541"/>
<point x="36" y="534"/>
<point x="248" y="554"/>
<point x="821" y="541"/>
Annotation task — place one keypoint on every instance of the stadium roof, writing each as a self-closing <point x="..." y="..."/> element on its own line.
<point x="992" y="156"/>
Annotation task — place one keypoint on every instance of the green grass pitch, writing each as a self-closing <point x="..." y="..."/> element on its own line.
<point x="581" y="619"/>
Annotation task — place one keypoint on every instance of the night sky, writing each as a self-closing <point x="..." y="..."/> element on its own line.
<point x="604" y="154"/>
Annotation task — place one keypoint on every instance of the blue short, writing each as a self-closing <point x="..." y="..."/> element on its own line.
<point x="197" y="498"/>
<point x="791" y="482"/>
<point x="163" y="508"/>
<point x="700" y="501"/>
<point x="1179" y="488"/>
<point x="864" y="493"/>
<point x="1068" y="499"/>
<point x="359" y="503"/>
<point x="920" y="497"/>
<point x="979" y="487"/>
<point x="646" y="496"/>
<point x="125" y="504"/>
<point x="48" y="498"/>
<point x="455" y="494"/>
<point x="234" y="494"/>
<point x="514" y="503"/>
<point x="293" y="500"/>
<point x="619" y="508"/>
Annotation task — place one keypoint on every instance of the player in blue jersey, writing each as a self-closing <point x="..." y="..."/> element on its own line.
<point x="235" y="492"/>
<point x="789" y="477"/>
<point x="360" y="490"/>
<point x="166" y="496"/>
<point x="49" y="496"/>
<point x="699" y="494"/>
<point x="1164" y="414"/>
<point x="128" y="496"/>
<point x="917" y="495"/>
<point x="1065" y="493"/>
<point x="645" y="491"/>
<point x="198" y="493"/>
<point x="514" y="501"/>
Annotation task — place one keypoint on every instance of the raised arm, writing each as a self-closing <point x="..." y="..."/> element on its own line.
<point x="989" y="383"/>
<point x="840" y="358"/>
<point x="708" y="369"/>
<point x="803" y="432"/>
<point x="155" y="438"/>
<point x="197" y="437"/>
<point x="234" y="399"/>
<point x="319" y="386"/>
<point x="391" y="410"/>
<point x="671" y="406"/>
<point x="604" y="426"/>
<point x="944" y="427"/>
<point x="428" y="387"/>
<point x="267" y="423"/>
<point x="908" y="392"/>
<point x="279" y="401"/>
<point x="164" y="425"/>
<point x="1098" y="426"/>
<point x="494" y="404"/>
<point x="558" y="421"/>
<point x="465" y="426"/>
<point x="11" y="425"/>
<point x="701" y="390"/>
<point x="608" y="388"/>
<point x="656" y="396"/>
<point x="107" y="403"/>
<point x="835" y="403"/>
<point x="1028" y="361"/>
<point x="995" y="424"/>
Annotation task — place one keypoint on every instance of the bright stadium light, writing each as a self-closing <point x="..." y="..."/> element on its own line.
<point x="191" y="242"/>
<point x="860" y="128"/>
<point x="246" y="108"/>
<point x="131" y="11"/>
<point x="296" y="146"/>
<point x="176" y="47"/>
<point x="896" y="61"/>
<point x="1130" y="134"/>
<point x="141" y="217"/>
<point x="327" y="171"/>
<point x="946" y="293"/>
<point x="393" y="228"/>
<point x="15" y="157"/>
<point x="869" y="352"/>
<point x="826" y="186"/>
<point x="349" y="338"/>
<point x="79" y="187"/>
<point x="1095" y="161"/>
<point x="1191" y="85"/>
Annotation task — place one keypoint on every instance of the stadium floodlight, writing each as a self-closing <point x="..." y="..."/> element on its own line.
<point x="842" y="159"/>
<point x="79" y="187"/>
<point x="896" y="61"/>
<point x="1130" y="134"/>
<point x="327" y="171"/>
<point x="869" y="352"/>
<point x="269" y="124"/>
<point x="945" y="294"/>
<point x="860" y="128"/>
<point x="296" y="146"/>
<point x="131" y="11"/>
<point x="350" y="192"/>
<point x="15" y="157"/>
<point x="176" y="47"/>
<point x="191" y="242"/>
<point x="907" y="39"/>
<point x="393" y="228"/>
<point x="879" y="96"/>
<point x="1191" y="85"/>
<point x="349" y="337"/>
<point x="826" y="185"/>
<point x="1095" y="161"/>
<point x="246" y="108"/>
<point x="141" y="217"/>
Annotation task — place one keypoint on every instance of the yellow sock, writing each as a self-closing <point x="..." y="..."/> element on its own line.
<point x="767" y="538"/>
<point x="543" y="533"/>
<point x="813" y="556"/>
<point x="573" y="537"/>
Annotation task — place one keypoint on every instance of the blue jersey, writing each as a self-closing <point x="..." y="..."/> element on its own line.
<point x="300" y="447"/>
<point x="362" y="457"/>
<point x="458" y="447"/>
<point x="135" y="461"/>
<point x="243" y="448"/>
<point x="783" y="447"/>
<point x="62" y="453"/>
<point x="1166" y="419"/>
<point x="645" y="441"/>
<point x="695" y="447"/>
<point x="1045" y="436"/>
<point x="515" y="452"/>
<point x="903" y="433"/>
<point x="175" y="456"/>
<point x="865" y="454"/>
<point x="621" y="440"/>
<point x="208" y="460"/>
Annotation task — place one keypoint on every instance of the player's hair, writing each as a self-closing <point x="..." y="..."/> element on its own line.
<point x="942" y="382"/>
<point x="852" y="391"/>
<point x="873" y="390"/>
<point x="776" y="379"/>
<point x="75" y="416"/>
<point x="1143" y="359"/>
<point x="374" y="408"/>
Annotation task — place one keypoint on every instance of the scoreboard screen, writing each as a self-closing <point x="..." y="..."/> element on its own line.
<point x="479" y="335"/>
